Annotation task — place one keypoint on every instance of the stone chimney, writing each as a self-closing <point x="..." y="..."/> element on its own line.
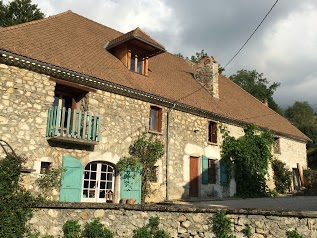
<point x="207" y="75"/>
<point x="265" y="102"/>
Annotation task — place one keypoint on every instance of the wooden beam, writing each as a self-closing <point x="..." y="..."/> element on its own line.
<point x="129" y="60"/>
<point x="146" y="66"/>
<point x="136" y="64"/>
<point x="74" y="85"/>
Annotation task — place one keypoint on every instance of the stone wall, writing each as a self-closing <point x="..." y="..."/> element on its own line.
<point x="178" y="221"/>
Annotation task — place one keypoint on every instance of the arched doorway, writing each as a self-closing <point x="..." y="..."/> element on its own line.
<point x="98" y="182"/>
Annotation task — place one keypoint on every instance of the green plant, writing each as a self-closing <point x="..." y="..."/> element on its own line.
<point x="293" y="234"/>
<point x="247" y="231"/>
<point x="95" y="229"/>
<point x="151" y="230"/>
<point x="144" y="153"/>
<point x="310" y="177"/>
<point x="49" y="181"/>
<point x="15" y="202"/>
<point x="282" y="176"/>
<point x="71" y="229"/>
<point x="248" y="158"/>
<point x="221" y="225"/>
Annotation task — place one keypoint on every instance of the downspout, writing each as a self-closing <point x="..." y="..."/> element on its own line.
<point x="167" y="148"/>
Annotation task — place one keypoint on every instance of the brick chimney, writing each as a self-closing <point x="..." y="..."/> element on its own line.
<point x="207" y="75"/>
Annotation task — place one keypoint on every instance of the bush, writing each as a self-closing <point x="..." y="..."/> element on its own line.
<point x="15" y="202"/>
<point x="71" y="229"/>
<point x="142" y="232"/>
<point x="51" y="180"/>
<point x="95" y="229"/>
<point x="293" y="234"/>
<point x="310" y="177"/>
<point x="151" y="230"/>
<point x="221" y="225"/>
<point x="282" y="176"/>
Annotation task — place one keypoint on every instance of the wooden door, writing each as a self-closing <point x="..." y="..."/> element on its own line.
<point x="193" y="175"/>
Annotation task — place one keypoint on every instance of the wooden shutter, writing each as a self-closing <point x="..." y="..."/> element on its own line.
<point x="204" y="170"/>
<point x="71" y="182"/>
<point x="159" y="119"/>
<point x="223" y="174"/>
<point x="131" y="185"/>
<point x="214" y="132"/>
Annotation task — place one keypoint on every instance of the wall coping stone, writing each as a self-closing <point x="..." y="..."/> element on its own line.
<point x="175" y="208"/>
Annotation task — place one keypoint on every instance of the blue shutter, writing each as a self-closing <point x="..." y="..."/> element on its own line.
<point x="223" y="174"/>
<point x="131" y="185"/>
<point x="71" y="182"/>
<point x="204" y="170"/>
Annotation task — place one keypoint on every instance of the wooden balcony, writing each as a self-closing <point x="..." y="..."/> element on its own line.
<point x="72" y="126"/>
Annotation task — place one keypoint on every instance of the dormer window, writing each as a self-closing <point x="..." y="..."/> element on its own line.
<point x="134" y="50"/>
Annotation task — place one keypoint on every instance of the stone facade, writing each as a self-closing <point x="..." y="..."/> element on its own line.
<point x="25" y="97"/>
<point x="178" y="221"/>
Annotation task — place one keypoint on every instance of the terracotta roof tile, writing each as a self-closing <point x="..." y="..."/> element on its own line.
<point x="76" y="43"/>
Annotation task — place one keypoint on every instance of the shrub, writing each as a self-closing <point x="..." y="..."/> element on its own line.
<point x="310" y="177"/>
<point x="95" y="229"/>
<point x="142" y="232"/>
<point x="15" y="202"/>
<point x="71" y="229"/>
<point x="293" y="234"/>
<point x="247" y="231"/>
<point x="282" y="176"/>
<point x="221" y="225"/>
<point x="151" y="230"/>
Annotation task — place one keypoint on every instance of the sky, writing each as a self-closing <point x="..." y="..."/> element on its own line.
<point x="284" y="48"/>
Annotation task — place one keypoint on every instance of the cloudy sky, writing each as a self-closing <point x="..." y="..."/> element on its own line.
<point x="284" y="48"/>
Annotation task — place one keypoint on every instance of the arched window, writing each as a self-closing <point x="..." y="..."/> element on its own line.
<point x="98" y="182"/>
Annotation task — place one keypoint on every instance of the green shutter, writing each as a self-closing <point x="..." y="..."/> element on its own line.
<point x="71" y="183"/>
<point x="204" y="169"/>
<point x="131" y="185"/>
<point x="223" y="174"/>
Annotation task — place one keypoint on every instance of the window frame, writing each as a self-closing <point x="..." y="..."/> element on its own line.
<point x="212" y="136"/>
<point x="158" y="118"/>
<point x="45" y="167"/>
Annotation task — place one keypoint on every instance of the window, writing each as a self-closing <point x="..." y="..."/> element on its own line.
<point x="212" y="172"/>
<point x="45" y="167"/>
<point x="276" y="146"/>
<point x="155" y="119"/>
<point x="212" y="132"/>
<point x="153" y="174"/>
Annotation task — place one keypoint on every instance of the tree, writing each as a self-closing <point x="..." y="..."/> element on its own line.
<point x="195" y="59"/>
<point x="19" y="11"/>
<point x="144" y="153"/>
<point x="301" y="114"/>
<point x="258" y="86"/>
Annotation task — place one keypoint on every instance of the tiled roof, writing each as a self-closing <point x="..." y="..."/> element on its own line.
<point x="76" y="43"/>
<point x="137" y="33"/>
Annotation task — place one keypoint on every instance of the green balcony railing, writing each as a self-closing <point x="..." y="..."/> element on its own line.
<point x="72" y="125"/>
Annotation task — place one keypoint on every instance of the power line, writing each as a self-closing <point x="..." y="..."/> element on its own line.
<point x="251" y="34"/>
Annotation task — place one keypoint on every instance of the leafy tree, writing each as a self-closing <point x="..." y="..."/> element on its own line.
<point x="255" y="84"/>
<point x="301" y="114"/>
<point x="19" y="11"/>
<point x="144" y="153"/>
<point x="195" y="59"/>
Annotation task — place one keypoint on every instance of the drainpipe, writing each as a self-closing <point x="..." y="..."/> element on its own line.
<point x="167" y="148"/>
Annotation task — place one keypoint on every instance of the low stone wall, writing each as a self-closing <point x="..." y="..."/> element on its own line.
<point x="178" y="221"/>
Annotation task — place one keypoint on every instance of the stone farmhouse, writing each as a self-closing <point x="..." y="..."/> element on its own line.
<point x="76" y="94"/>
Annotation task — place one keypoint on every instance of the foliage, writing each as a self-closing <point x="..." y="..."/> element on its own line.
<point x="19" y="11"/>
<point x="293" y="234"/>
<point x="221" y="225"/>
<point x="302" y="115"/>
<point x="95" y="229"/>
<point x="247" y="231"/>
<point x="310" y="177"/>
<point x="49" y="181"/>
<point x="15" y="202"/>
<point x="151" y="230"/>
<point x="71" y="229"/>
<point x="195" y="59"/>
<point x="258" y="86"/>
<point x="282" y="176"/>
<point x="144" y="153"/>
<point x="248" y="158"/>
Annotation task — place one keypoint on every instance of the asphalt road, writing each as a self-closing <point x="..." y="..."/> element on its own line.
<point x="295" y="203"/>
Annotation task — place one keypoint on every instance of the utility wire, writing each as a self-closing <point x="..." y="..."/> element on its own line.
<point x="251" y="34"/>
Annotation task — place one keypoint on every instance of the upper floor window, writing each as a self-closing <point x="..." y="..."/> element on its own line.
<point x="137" y="62"/>
<point x="212" y="132"/>
<point x="155" y="119"/>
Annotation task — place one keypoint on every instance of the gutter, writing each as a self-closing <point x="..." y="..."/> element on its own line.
<point x="13" y="59"/>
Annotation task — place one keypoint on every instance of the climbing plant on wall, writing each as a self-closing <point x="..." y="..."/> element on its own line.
<point x="247" y="158"/>
<point x="144" y="153"/>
